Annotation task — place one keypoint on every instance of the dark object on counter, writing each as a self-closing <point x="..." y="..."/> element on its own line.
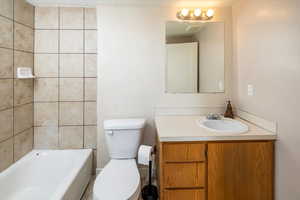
<point x="149" y="192"/>
<point x="229" y="112"/>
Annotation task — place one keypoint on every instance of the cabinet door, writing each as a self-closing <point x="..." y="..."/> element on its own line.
<point x="184" y="175"/>
<point x="188" y="194"/>
<point x="240" y="171"/>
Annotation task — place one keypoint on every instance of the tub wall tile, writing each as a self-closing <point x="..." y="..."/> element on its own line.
<point x="23" y="38"/>
<point x="90" y="137"/>
<point x="24" y="12"/>
<point x="71" y="137"/>
<point x="46" y="18"/>
<point x="23" y="143"/>
<point x="6" y="64"/>
<point x="46" y="137"/>
<point x="6" y="93"/>
<point x="6" y="8"/>
<point x="71" y="113"/>
<point x="65" y="90"/>
<point x="46" y="114"/>
<point x="46" y="65"/>
<point x="16" y="96"/>
<point x="6" y="33"/>
<point x="6" y="154"/>
<point x="6" y="124"/>
<point x="23" y="118"/>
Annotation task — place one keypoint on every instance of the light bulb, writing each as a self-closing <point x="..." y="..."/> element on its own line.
<point x="197" y="12"/>
<point x="185" y="12"/>
<point x="210" y="13"/>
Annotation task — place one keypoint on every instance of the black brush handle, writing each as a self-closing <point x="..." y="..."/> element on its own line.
<point x="150" y="172"/>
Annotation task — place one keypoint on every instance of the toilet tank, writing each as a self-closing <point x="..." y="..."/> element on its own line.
<point x="123" y="137"/>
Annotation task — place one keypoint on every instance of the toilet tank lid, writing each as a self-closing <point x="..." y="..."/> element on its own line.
<point x="124" y="124"/>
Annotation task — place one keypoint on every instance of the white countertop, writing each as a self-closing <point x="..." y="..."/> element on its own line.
<point x="185" y="128"/>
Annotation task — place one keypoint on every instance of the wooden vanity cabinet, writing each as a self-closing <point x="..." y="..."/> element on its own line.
<point x="236" y="170"/>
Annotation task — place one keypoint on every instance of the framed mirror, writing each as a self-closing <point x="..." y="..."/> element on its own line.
<point x="195" y="57"/>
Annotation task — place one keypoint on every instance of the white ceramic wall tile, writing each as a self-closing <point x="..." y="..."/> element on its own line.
<point x="46" y="41"/>
<point x="90" y="18"/>
<point x="23" y="38"/>
<point x="46" y="89"/>
<point x="22" y="59"/>
<point x="6" y="154"/>
<point x="90" y="65"/>
<point x="6" y="64"/>
<point x="6" y="9"/>
<point x="90" y="137"/>
<point x="90" y="41"/>
<point x="6" y="124"/>
<point x="46" y="114"/>
<point x="46" y="65"/>
<point x="6" y="33"/>
<point x="90" y="91"/>
<point x="23" y="118"/>
<point x="71" y="137"/>
<point x="71" y="113"/>
<point x="90" y="113"/>
<point x="6" y="91"/>
<point x="71" y="18"/>
<point x="46" y="137"/>
<point x="23" y="143"/>
<point x="71" y="89"/>
<point x="23" y="91"/>
<point x="71" y="41"/>
<point x="46" y="17"/>
<point x="24" y="12"/>
<point x="71" y="65"/>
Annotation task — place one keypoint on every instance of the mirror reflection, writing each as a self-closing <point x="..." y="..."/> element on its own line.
<point x="194" y="57"/>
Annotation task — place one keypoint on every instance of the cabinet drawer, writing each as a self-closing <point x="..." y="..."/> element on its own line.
<point x="184" y="175"/>
<point x="188" y="194"/>
<point x="178" y="152"/>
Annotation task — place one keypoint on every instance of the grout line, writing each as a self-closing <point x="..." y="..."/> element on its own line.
<point x="13" y="95"/>
<point x="90" y="101"/>
<point x="83" y="114"/>
<point x="19" y="133"/>
<point x="61" y="53"/>
<point x="13" y="20"/>
<point x="33" y="69"/>
<point x="66" y="125"/>
<point x="24" y="51"/>
<point x="64" y="29"/>
<point x="58" y="104"/>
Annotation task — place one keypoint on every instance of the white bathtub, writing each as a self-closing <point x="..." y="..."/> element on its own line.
<point x="47" y="175"/>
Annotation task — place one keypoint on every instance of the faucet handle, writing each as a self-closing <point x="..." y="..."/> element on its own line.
<point x="213" y="116"/>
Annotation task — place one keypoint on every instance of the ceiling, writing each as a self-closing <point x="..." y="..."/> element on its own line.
<point x="91" y="3"/>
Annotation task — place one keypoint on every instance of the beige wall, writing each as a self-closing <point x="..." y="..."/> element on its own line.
<point x="267" y="55"/>
<point x="132" y="66"/>
<point x="65" y="90"/>
<point x="16" y="96"/>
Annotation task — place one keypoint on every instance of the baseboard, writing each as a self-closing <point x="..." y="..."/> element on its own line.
<point x="263" y="123"/>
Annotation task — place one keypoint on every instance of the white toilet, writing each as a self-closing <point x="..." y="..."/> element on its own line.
<point x="120" y="178"/>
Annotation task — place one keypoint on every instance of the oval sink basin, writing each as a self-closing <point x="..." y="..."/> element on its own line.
<point x="224" y="125"/>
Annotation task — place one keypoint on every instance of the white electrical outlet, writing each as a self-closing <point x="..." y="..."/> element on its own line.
<point x="250" y="90"/>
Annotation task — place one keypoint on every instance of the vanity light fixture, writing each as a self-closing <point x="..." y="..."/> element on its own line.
<point x="196" y="14"/>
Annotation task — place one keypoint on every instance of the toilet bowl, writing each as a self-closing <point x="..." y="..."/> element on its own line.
<point x="120" y="178"/>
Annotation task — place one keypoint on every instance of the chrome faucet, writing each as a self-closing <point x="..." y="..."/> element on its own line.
<point x="213" y="116"/>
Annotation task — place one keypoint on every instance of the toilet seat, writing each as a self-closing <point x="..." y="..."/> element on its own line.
<point x="119" y="180"/>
